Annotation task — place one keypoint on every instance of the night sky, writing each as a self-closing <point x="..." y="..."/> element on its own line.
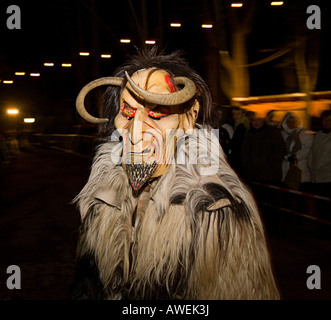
<point x="57" y="31"/>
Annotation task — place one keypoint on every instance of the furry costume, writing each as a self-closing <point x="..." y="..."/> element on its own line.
<point x="190" y="236"/>
<point x="159" y="229"/>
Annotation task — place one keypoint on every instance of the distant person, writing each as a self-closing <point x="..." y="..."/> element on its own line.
<point x="262" y="152"/>
<point x="319" y="159"/>
<point x="241" y="125"/>
<point x="4" y="150"/>
<point x="226" y="132"/>
<point x="270" y="119"/>
<point x="298" y="141"/>
<point x="240" y="118"/>
<point x="250" y="115"/>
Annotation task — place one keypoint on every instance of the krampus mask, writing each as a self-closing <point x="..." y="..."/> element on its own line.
<point x="154" y="228"/>
<point x="155" y="109"/>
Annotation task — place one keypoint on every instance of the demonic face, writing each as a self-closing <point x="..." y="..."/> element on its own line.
<point x="150" y="131"/>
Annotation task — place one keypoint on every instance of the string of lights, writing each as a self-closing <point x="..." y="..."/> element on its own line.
<point x="8" y="80"/>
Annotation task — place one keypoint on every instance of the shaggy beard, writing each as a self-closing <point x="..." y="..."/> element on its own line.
<point x="139" y="174"/>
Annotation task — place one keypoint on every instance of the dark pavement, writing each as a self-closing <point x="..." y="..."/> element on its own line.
<point x="39" y="225"/>
<point x="39" y="231"/>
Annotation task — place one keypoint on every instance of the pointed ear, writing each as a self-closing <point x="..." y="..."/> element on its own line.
<point x="190" y="117"/>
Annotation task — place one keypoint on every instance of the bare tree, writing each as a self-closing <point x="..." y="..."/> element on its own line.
<point x="232" y="29"/>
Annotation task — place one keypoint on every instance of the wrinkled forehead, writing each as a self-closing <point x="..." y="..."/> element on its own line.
<point x="153" y="80"/>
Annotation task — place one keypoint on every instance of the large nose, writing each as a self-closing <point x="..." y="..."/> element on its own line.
<point x="138" y="126"/>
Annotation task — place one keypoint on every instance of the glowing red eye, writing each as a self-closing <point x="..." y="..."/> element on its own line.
<point x="156" y="114"/>
<point x="127" y="111"/>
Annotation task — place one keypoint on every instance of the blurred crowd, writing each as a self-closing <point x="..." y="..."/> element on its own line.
<point x="259" y="149"/>
<point x="278" y="153"/>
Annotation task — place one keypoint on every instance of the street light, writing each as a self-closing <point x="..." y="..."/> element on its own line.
<point x="66" y="65"/>
<point x="29" y="120"/>
<point x="19" y="73"/>
<point x="35" y="74"/>
<point x="175" y="25"/>
<point x="105" y="56"/>
<point x="7" y="81"/>
<point x="49" y="64"/>
<point x="125" y="40"/>
<point x="12" y="111"/>
<point x="86" y="54"/>
<point x="207" y="26"/>
<point x="277" y="3"/>
<point x="150" y="41"/>
<point x="236" y="5"/>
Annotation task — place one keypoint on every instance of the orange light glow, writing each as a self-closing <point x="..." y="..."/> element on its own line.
<point x="12" y="111"/>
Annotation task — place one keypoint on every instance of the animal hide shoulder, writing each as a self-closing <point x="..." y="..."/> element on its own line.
<point x="200" y="235"/>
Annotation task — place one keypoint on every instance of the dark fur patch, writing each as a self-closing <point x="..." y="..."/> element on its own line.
<point x="139" y="174"/>
<point x="87" y="284"/>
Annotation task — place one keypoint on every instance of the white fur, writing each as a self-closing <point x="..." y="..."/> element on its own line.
<point x="176" y="249"/>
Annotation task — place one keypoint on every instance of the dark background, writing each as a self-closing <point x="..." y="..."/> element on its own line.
<point x="57" y="31"/>
<point x="39" y="224"/>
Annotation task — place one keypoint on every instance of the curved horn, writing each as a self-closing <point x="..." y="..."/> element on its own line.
<point x="170" y="99"/>
<point x="82" y="94"/>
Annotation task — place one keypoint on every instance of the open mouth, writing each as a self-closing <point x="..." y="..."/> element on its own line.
<point x="148" y="155"/>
